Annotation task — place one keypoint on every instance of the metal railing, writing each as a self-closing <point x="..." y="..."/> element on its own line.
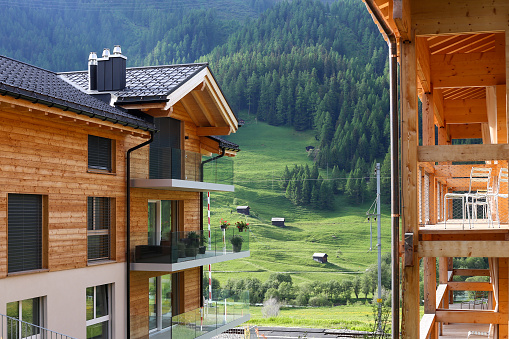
<point x="12" y="328"/>
<point x="177" y="247"/>
<point x="173" y="163"/>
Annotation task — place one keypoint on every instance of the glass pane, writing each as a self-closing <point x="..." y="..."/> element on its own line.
<point x="152" y="304"/>
<point x="101" y="303"/>
<point x="166" y="300"/>
<point x="98" y="246"/>
<point x="165" y="220"/>
<point x="30" y="311"/>
<point x="152" y="223"/>
<point x="13" y="309"/>
<point x="98" y="331"/>
<point x="90" y="303"/>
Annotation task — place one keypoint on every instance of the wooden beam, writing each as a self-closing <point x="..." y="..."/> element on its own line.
<point x="441" y="293"/>
<point x="469" y="286"/>
<point x="463" y="249"/>
<point x="462" y="153"/>
<point x="438" y="100"/>
<point x="501" y="114"/>
<point x="430" y="284"/>
<point x="428" y="115"/>
<point x="467" y="69"/>
<point x="507" y="83"/>
<point x="401" y="14"/>
<point x="189" y="111"/>
<point x="471" y="316"/>
<point x="485" y="130"/>
<point x="465" y="131"/>
<point x="205" y="131"/>
<point x="423" y="64"/>
<point x="145" y="106"/>
<point x="409" y="143"/>
<point x="203" y="106"/>
<point x="491" y="109"/>
<point x="472" y="272"/>
<point x="426" y="325"/>
<point x="465" y="111"/>
<point x="459" y="16"/>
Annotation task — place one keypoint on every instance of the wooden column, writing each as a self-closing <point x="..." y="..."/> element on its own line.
<point x="430" y="286"/>
<point x="503" y="286"/>
<point x="409" y="142"/>
<point x="450" y="267"/>
<point x="491" y="108"/>
<point x="428" y="124"/>
<point x="507" y="82"/>
<point x="442" y="279"/>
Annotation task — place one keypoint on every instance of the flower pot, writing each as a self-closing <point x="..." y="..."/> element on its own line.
<point x="223" y="227"/>
<point x="191" y="251"/>
<point x="237" y="248"/>
<point x="241" y="230"/>
<point x="201" y="249"/>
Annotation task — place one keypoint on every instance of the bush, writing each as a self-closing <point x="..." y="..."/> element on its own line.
<point x="270" y="308"/>
<point x="319" y="300"/>
<point x="302" y="299"/>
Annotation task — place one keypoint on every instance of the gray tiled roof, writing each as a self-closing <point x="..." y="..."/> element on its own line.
<point x="22" y="80"/>
<point x="225" y="143"/>
<point x="154" y="83"/>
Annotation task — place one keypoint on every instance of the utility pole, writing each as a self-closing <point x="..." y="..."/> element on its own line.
<point x="379" y="245"/>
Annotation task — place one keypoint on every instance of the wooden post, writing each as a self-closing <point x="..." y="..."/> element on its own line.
<point x="503" y="286"/>
<point x="430" y="286"/>
<point x="409" y="142"/>
<point x="450" y="268"/>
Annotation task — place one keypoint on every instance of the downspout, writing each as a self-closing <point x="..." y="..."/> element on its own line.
<point x="395" y="208"/>
<point x="223" y="152"/>
<point x="128" y="232"/>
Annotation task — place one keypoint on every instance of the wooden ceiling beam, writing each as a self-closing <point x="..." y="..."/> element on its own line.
<point x="206" y="111"/>
<point x="438" y="100"/>
<point x="467" y="70"/>
<point x="401" y="13"/>
<point x="144" y="106"/>
<point x="423" y="64"/>
<point x="465" y="131"/>
<point x="189" y="110"/>
<point x="465" y="111"/>
<point x="205" y="131"/>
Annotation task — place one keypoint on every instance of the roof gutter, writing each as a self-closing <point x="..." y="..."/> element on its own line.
<point x="395" y="203"/>
<point x="128" y="233"/>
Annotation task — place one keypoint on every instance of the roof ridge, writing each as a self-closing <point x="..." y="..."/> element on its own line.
<point x="148" y="67"/>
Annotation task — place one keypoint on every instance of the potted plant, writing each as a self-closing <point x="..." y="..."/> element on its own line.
<point x="242" y="225"/>
<point x="224" y="224"/>
<point x="236" y="242"/>
<point x="203" y="241"/>
<point x="181" y="249"/>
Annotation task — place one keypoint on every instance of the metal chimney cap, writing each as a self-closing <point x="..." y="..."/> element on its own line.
<point x="117" y="50"/>
<point x="106" y="53"/>
<point x="92" y="58"/>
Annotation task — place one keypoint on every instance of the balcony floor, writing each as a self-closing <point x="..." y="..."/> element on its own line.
<point x="464" y="225"/>
<point x="458" y="330"/>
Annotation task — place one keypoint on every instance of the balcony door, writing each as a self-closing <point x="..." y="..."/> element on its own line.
<point x="165" y="154"/>
<point x="162" y="220"/>
<point x="160" y="306"/>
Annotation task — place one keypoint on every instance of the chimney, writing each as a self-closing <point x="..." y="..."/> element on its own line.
<point x="111" y="70"/>
<point x="92" y="71"/>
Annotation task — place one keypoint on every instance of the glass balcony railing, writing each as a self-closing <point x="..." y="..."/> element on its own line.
<point x="172" y="163"/>
<point x="226" y="310"/>
<point x="177" y="247"/>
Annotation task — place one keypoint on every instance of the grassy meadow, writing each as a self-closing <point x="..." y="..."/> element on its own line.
<point x="344" y="234"/>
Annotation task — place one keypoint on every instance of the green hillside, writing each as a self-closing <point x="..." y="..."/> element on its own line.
<point x="342" y="233"/>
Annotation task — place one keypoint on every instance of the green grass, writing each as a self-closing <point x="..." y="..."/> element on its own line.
<point x="343" y="233"/>
<point x="354" y="317"/>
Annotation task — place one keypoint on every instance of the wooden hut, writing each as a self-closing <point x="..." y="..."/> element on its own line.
<point x="243" y="210"/>
<point x="278" y="222"/>
<point x="320" y="257"/>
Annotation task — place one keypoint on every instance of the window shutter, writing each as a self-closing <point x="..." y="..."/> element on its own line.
<point x="24" y="232"/>
<point x="99" y="222"/>
<point x="99" y="153"/>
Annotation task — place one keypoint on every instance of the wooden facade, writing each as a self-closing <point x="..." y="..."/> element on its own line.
<point x="454" y="59"/>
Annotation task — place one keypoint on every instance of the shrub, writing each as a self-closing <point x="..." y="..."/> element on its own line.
<point x="270" y="308"/>
<point x="319" y="300"/>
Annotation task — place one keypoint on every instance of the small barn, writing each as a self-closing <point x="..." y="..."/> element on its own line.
<point x="320" y="257"/>
<point x="278" y="222"/>
<point x="243" y="210"/>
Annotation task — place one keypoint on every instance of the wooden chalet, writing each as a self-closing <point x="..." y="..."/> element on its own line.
<point x="454" y="58"/>
<point x="102" y="180"/>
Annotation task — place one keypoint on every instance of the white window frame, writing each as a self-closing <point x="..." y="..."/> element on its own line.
<point x="159" y="310"/>
<point x="41" y="318"/>
<point x="104" y="318"/>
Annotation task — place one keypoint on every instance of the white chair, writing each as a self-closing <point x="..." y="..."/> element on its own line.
<point x="477" y="193"/>
<point x="502" y="179"/>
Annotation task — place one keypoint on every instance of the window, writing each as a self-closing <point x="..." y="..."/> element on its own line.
<point x="98" y="312"/>
<point x="161" y="216"/>
<point x="160" y="307"/>
<point x="25" y="221"/>
<point x="99" y="153"/>
<point x="29" y="311"/>
<point x="99" y="225"/>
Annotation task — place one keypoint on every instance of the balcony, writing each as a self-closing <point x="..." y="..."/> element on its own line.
<point x="176" y="169"/>
<point x="224" y="311"/>
<point x="462" y="204"/>
<point x="14" y="328"/>
<point x="183" y="250"/>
